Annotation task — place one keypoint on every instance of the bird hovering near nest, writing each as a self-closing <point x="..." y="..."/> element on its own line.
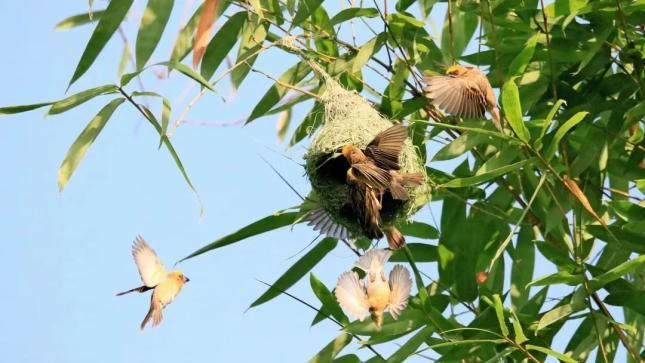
<point x="465" y="92"/>
<point x="374" y="293"/>
<point x="165" y="286"/>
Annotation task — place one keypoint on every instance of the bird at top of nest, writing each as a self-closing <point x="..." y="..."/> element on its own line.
<point x="372" y="172"/>
<point x="465" y="92"/>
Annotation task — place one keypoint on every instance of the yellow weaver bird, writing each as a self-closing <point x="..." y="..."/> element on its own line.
<point x="375" y="293"/>
<point x="465" y="92"/>
<point x="165" y="286"/>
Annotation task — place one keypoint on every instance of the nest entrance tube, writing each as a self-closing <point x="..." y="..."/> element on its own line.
<point x="350" y="119"/>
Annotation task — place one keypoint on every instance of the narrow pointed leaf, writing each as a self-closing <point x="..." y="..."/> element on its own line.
<point x="499" y="311"/>
<point x="292" y="77"/>
<point x="10" y="110"/>
<point x="253" y="35"/>
<point x="305" y="8"/>
<point x="298" y="270"/>
<point x="351" y="13"/>
<point x="331" y="350"/>
<point x="367" y="50"/>
<point x="419" y="230"/>
<point x="185" y="39"/>
<point x="80" y="98"/>
<point x="78" y="20"/>
<point x="222" y="43"/>
<point x="617" y="272"/>
<point x="411" y="345"/>
<point x="108" y="24"/>
<point x="187" y="71"/>
<point x="327" y="299"/>
<point x="202" y="35"/>
<point x="153" y="22"/>
<point x="482" y="178"/>
<point x="269" y="223"/>
<point x="552" y="353"/>
<point x="513" y="109"/>
<point x="568" y="125"/>
<point x="523" y="58"/>
<point x="83" y="142"/>
<point x="422" y="252"/>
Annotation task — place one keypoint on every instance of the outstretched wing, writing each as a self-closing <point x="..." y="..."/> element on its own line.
<point x="386" y="147"/>
<point x="321" y="221"/>
<point x="380" y="255"/>
<point x="351" y="295"/>
<point x="400" y="284"/>
<point x="459" y="96"/>
<point x="151" y="269"/>
<point x="371" y="175"/>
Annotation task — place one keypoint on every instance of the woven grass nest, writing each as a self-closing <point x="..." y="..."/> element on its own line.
<point x="350" y="119"/>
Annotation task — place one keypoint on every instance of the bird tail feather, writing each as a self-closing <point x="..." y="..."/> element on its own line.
<point x="155" y="313"/>
<point x="400" y="180"/>
<point x="143" y="288"/>
<point x="394" y="238"/>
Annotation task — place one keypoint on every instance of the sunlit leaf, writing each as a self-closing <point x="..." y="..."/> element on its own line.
<point x="10" y="110"/>
<point x="80" y="98"/>
<point x="222" y="43"/>
<point x="351" y="13"/>
<point x="568" y="125"/>
<point x="513" y="109"/>
<point x="83" y="142"/>
<point x="78" y="20"/>
<point x="305" y="8"/>
<point x="153" y="22"/>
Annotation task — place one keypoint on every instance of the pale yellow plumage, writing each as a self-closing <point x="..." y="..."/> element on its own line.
<point x="465" y="92"/>
<point x="165" y="285"/>
<point x="375" y="293"/>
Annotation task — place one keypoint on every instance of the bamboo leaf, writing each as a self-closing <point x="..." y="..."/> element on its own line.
<point x="305" y="9"/>
<point x="410" y="346"/>
<point x="617" y="272"/>
<point x="513" y="109"/>
<point x="78" y="20"/>
<point x="551" y="352"/>
<point x="331" y="350"/>
<point x="351" y="13"/>
<point x="269" y="223"/>
<point x="153" y="22"/>
<point x="327" y="299"/>
<point x="482" y="178"/>
<point x="523" y="58"/>
<point x="202" y="36"/>
<point x="83" y="142"/>
<point x="222" y="43"/>
<point x="297" y="271"/>
<point x="499" y="311"/>
<point x="419" y="230"/>
<point x="422" y="252"/>
<point x="108" y="24"/>
<point x="80" y="98"/>
<point x="10" y="110"/>
<point x="568" y="125"/>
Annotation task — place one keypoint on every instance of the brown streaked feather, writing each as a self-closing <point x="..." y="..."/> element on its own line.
<point x="386" y="147"/>
<point x="457" y="95"/>
<point x="371" y="175"/>
<point x="367" y="207"/>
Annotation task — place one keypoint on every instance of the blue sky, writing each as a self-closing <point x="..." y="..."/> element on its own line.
<point x="66" y="255"/>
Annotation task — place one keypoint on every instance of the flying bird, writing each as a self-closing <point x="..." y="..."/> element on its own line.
<point x="165" y="286"/>
<point x="374" y="293"/>
<point x="465" y="92"/>
<point x="373" y="171"/>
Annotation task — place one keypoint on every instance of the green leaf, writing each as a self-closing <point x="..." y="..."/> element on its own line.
<point x="568" y="125"/>
<point x="187" y="71"/>
<point x="627" y="239"/>
<point x="513" y="109"/>
<point x="419" y="230"/>
<point x="564" y="310"/>
<point x="165" y="118"/>
<point x="520" y="337"/>
<point x="222" y="43"/>
<point x="332" y="349"/>
<point x="460" y="145"/>
<point x="253" y="35"/>
<point x="298" y="270"/>
<point x="499" y="311"/>
<point x="409" y="347"/>
<point x="153" y="22"/>
<point x="482" y="178"/>
<point x="84" y="141"/>
<point x="78" y="20"/>
<point x="463" y="28"/>
<point x="186" y="37"/>
<point x="367" y="50"/>
<point x="269" y="223"/>
<point x="292" y="76"/>
<point x="10" y="110"/>
<point x="422" y="252"/>
<point x="561" y="277"/>
<point x="628" y="299"/>
<point x="523" y="58"/>
<point x="108" y="24"/>
<point x="80" y="98"/>
<point x="410" y="320"/>
<point x="523" y="258"/>
<point x="305" y="8"/>
<point x="349" y="358"/>
<point x="351" y="13"/>
<point x="616" y="272"/>
<point x="551" y="352"/>
<point x="551" y="115"/>
<point x="327" y="299"/>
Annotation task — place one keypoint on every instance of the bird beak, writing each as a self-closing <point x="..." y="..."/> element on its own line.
<point x="187" y="279"/>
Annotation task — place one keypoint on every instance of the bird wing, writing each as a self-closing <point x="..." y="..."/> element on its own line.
<point x="386" y="147"/>
<point x="460" y="96"/>
<point x="351" y="295"/>
<point x="321" y="221"/>
<point x="151" y="269"/>
<point x="380" y="255"/>
<point x="400" y="284"/>
<point x="371" y="175"/>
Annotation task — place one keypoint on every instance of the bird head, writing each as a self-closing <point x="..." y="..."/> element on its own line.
<point x="349" y="150"/>
<point x="179" y="276"/>
<point x="456" y="70"/>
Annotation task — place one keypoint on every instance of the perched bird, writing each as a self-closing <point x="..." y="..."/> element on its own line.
<point x="373" y="171"/>
<point x="375" y="293"/>
<point x="464" y="91"/>
<point x="165" y="286"/>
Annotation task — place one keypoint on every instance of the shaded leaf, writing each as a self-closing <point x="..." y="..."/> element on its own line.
<point x="153" y="22"/>
<point x="83" y="142"/>
<point x="482" y="178"/>
<point x="568" y="125"/>
<point x="298" y="270"/>
<point x="108" y="24"/>
<point x="351" y="13"/>
<point x="332" y="349"/>
<point x="305" y="8"/>
<point x="523" y="58"/>
<point x="410" y="346"/>
<point x="616" y="272"/>
<point x="253" y="35"/>
<point x="419" y="230"/>
<point x="513" y="109"/>
<point x="422" y="252"/>
<point x="222" y="43"/>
